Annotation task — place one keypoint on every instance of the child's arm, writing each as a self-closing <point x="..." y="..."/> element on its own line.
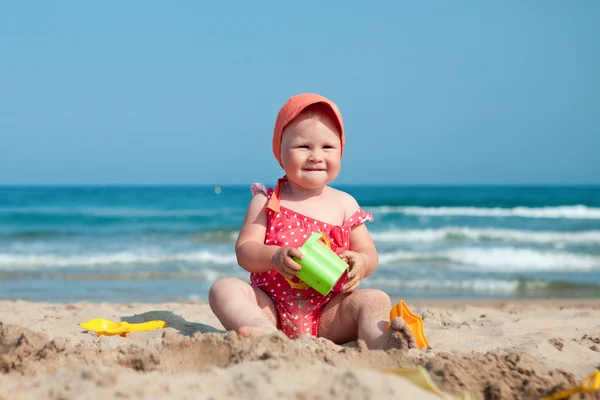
<point x="362" y="255"/>
<point x="251" y="252"/>
<point x="361" y="243"/>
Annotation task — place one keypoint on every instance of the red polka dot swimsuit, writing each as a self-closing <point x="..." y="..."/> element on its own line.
<point x="300" y="309"/>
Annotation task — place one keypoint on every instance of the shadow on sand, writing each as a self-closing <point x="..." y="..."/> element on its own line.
<point x="174" y="321"/>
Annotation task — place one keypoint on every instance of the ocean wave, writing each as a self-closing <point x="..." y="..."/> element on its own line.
<point x="493" y="259"/>
<point x="193" y="231"/>
<point x="9" y="261"/>
<point x="41" y="234"/>
<point x="475" y="285"/>
<point x="199" y="274"/>
<point x="456" y="233"/>
<point x="116" y="212"/>
<point x="562" y="212"/>
<point x="500" y="259"/>
<point x="488" y="286"/>
<point x="216" y="236"/>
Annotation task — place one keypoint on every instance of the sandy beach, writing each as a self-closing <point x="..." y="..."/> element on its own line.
<point x="484" y="349"/>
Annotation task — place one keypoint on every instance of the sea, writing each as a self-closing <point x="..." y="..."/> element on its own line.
<point x="170" y="243"/>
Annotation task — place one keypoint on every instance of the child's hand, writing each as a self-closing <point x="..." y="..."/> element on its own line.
<point x="284" y="263"/>
<point x="357" y="269"/>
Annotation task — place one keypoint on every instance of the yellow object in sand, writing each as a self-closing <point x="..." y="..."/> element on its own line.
<point x="414" y="322"/>
<point x="420" y="377"/>
<point x="590" y="384"/>
<point x="109" y="328"/>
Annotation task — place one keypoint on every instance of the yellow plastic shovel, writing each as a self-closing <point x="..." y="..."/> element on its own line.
<point x="109" y="328"/>
<point x="589" y="385"/>
<point x="420" y="377"/>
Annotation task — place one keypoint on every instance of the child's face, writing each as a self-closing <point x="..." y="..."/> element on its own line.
<point x="311" y="151"/>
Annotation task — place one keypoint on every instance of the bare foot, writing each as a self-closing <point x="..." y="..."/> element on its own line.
<point x="399" y="336"/>
<point x="253" y="331"/>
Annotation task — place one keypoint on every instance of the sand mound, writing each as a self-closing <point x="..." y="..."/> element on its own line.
<point x="260" y="367"/>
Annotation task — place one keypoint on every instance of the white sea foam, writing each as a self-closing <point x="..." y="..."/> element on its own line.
<point x="474" y="285"/>
<point x="456" y="233"/>
<point x="116" y="211"/>
<point x="20" y="261"/>
<point x="561" y="212"/>
<point x="505" y="259"/>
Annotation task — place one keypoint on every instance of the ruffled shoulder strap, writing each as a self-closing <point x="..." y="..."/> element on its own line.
<point x="357" y="218"/>
<point x="274" y="198"/>
<point x="260" y="187"/>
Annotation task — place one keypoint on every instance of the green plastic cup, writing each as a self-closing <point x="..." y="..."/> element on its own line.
<point x="321" y="267"/>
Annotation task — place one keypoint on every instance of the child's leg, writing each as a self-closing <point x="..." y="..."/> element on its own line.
<point x="364" y="314"/>
<point x="242" y="307"/>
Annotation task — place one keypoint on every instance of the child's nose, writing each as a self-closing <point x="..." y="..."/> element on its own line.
<point x="315" y="156"/>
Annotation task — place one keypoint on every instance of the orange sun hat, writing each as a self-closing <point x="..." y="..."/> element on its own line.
<point x="290" y="110"/>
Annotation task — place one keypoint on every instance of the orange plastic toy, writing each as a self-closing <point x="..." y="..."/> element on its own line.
<point x="414" y="322"/>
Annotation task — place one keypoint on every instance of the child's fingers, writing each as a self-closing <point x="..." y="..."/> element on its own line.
<point x="352" y="278"/>
<point x="292" y="265"/>
<point x="352" y="273"/>
<point x="285" y="274"/>
<point x="349" y="256"/>
<point x="351" y="285"/>
<point x="294" y="252"/>
<point x="291" y="268"/>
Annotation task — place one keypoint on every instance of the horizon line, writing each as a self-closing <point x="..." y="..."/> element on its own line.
<point x="213" y="185"/>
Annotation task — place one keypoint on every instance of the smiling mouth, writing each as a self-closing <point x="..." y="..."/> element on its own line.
<point x="314" y="169"/>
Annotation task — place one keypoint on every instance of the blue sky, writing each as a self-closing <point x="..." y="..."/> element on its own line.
<point x="187" y="92"/>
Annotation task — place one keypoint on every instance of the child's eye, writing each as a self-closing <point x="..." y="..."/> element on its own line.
<point x="328" y="147"/>
<point x="304" y="146"/>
